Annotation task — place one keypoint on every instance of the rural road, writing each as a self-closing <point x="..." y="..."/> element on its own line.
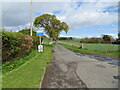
<point x="70" y="70"/>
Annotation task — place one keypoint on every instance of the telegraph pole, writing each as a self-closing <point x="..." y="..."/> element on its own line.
<point x="31" y="18"/>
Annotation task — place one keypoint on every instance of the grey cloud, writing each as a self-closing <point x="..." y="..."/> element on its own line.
<point x="18" y="13"/>
<point x="14" y="14"/>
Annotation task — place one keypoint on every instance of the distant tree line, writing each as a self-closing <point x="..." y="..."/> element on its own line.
<point x="104" y="39"/>
<point x="108" y="39"/>
<point x="65" y="38"/>
<point x="91" y="40"/>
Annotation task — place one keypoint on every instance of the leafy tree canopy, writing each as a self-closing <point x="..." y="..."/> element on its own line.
<point x="52" y="26"/>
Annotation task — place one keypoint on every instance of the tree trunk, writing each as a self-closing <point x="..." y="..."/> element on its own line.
<point x="51" y="40"/>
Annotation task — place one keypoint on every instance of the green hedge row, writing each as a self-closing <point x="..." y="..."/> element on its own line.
<point x="91" y="40"/>
<point x="16" y="44"/>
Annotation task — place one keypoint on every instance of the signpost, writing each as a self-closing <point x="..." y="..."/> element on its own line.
<point x="40" y="47"/>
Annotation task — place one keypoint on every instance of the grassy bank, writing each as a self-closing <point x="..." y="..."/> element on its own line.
<point x="29" y="74"/>
<point x="11" y="65"/>
<point x="91" y="51"/>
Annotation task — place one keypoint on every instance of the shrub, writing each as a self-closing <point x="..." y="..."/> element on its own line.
<point x="91" y="40"/>
<point x="25" y="45"/>
<point x="35" y="42"/>
<point x="15" y="45"/>
<point x="27" y="32"/>
<point x="10" y="45"/>
<point x="34" y="37"/>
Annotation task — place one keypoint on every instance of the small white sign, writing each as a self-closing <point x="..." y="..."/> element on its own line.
<point x="40" y="48"/>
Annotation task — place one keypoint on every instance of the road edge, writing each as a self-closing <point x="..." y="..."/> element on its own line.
<point x="42" y="78"/>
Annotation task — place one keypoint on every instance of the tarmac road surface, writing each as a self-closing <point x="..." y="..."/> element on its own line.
<point x="69" y="70"/>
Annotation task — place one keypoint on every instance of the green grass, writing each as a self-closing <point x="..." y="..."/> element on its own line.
<point x="10" y="65"/>
<point x="94" y="46"/>
<point x="46" y="40"/>
<point x="91" y="51"/>
<point x="29" y="74"/>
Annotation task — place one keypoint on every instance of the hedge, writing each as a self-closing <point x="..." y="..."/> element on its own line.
<point x="15" y="45"/>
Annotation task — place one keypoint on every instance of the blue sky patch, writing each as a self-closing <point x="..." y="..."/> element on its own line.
<point x="57" y="12"/>
<point x="37" y="13"/>
<point x="111" y="9"/>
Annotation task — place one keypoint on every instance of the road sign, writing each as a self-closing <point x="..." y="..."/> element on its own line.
<point x="40" y="48"/>
<point x="40" y="34"/>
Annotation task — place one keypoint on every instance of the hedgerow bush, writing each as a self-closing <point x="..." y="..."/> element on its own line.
<point x="35" y="38"/>
<point x="27" y="32"/>
<point x="91" y="40"/>
<point x="25" y="45"/>
<point x="14" y="45"/>
<point x="35" y="42"/>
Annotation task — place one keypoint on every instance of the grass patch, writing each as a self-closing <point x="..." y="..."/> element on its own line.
<point x="29" y="74"/>
<point x="46" y="40"/>
<point x="93" y="52"/>
<point x="10" y="65"/>
<point x="95" y="46"/>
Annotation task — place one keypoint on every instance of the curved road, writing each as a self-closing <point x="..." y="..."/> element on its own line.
<point x="80" y="69"/>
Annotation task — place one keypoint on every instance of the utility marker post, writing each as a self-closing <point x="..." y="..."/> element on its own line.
<point x="40" y="47"/>
<point x="31" y="18"/>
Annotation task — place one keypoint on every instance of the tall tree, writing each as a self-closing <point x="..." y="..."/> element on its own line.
<point x="52" y="26"/>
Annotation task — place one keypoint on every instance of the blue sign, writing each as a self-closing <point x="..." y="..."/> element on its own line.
<point x="40" y="34"/>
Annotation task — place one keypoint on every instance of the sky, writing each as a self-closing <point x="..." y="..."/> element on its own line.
<point x="85" y="18"/>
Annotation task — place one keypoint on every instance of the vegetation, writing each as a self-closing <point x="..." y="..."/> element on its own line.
<point x="91" y="40"/>
<point x="21" y="60"/>
<point x="27" y="32"/>
<point x="52" y="26"/>
<point x="119" y="35"/>
<point x="35" y="42"/>
<point x="117" y="41"/>
<point x="10" y="65"/>
<point x="104" y="39"/>
<point x="107" y="39"/>
<point x="97" y="49"/>
<point x="30" y="73"/>
<point x="65" y="38"/>
<point x="15" y="45"/>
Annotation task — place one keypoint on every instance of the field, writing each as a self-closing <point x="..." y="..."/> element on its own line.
<point x="101" y="49"/>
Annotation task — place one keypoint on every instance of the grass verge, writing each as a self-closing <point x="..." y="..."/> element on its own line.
<point x="92" y="52"/>
<point x="11" y="65"/>
<point x="30" y="73"/>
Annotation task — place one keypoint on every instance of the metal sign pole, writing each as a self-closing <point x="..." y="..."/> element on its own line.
<point x="40" y="40"/>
